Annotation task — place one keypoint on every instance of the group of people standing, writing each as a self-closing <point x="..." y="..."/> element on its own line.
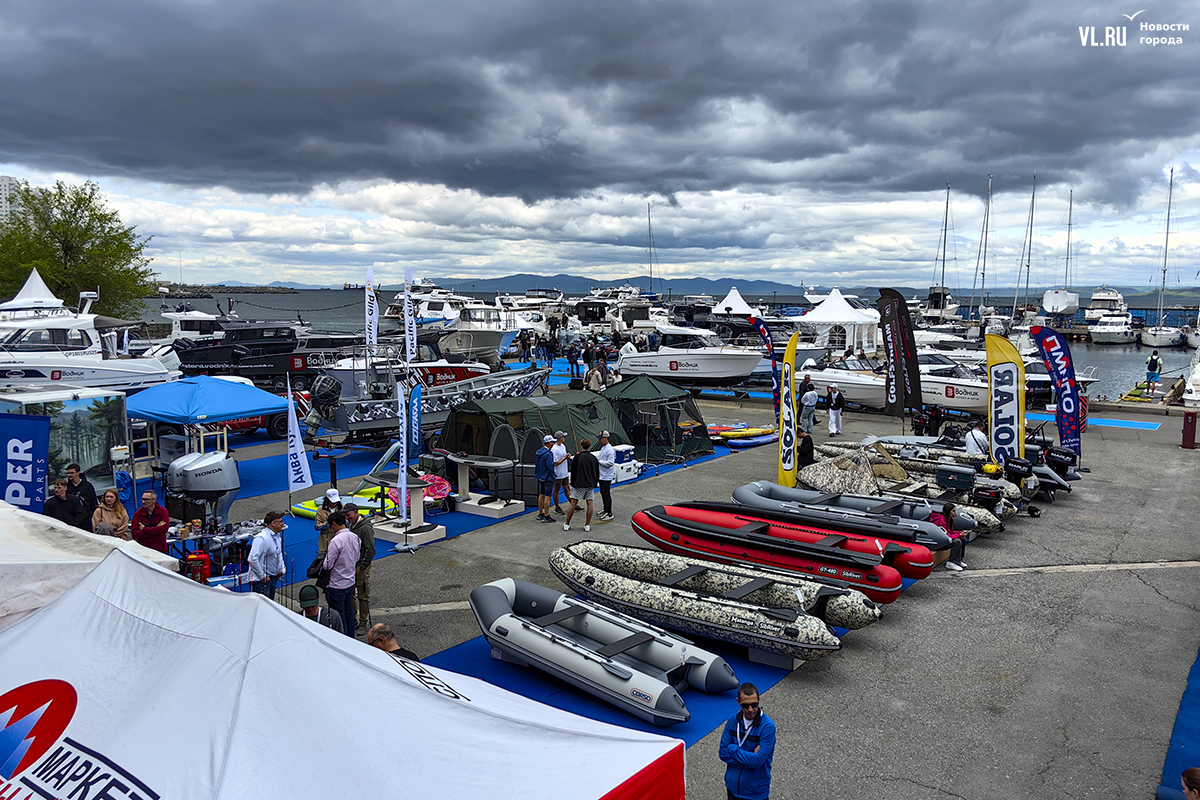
<point x="346" y="548"/>
<point x="578" y="476"/>
<point x="75" y="502"/>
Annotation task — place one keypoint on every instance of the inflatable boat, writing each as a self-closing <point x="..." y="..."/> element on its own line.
<point x="878" y="520"/>
<point x="868" y="505"/>
<point x="624" y="661"/>
<point x="631" y="583"/>
<point x="725" y="535"/>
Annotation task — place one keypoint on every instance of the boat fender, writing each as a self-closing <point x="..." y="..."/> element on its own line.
<point x="714" y="676"/>
<point x="489" y="604"/>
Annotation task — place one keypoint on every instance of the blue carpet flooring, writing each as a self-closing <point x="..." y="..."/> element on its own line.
<point x="1184" y="750"/>
<point x="1104" y="423"/>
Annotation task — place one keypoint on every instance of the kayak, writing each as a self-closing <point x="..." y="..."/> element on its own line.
<point x="747" y="433"/>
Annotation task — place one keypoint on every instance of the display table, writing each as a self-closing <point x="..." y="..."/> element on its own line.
<point x="416" y="531"/>
<point x="482" y="506"/>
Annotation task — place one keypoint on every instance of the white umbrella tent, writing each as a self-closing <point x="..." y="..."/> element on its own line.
<point x="173" y="689"/>
<point x="734" y="305"/>
<point x="840" y="325"/>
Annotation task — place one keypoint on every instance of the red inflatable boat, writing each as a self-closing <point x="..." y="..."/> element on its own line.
<point x="721" y="532"/>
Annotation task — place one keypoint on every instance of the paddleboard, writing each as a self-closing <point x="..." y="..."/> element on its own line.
<point x="753" y="441"/>
<point x="747" y="433"/>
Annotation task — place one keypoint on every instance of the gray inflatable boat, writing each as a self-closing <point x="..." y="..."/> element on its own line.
<point x="624" y="661"/>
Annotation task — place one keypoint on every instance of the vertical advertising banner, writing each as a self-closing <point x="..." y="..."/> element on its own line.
<point x="1006" y="399"/>
<point x="765" y="333"/>
<point x="414" y="422"/>
<point x="299" y="476"/>
<point x="26" y="441"/>
<point x="1068" y="415"/>
<point x="410" y="323"/>
<point x="787" y="416"/>
<point x="889" y="326"/>
<point x="901" y="347"/>
<point x="372" y="311"/>
<point x="402" y="456"/>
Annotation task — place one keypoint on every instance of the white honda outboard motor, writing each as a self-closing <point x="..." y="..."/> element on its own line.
<point x="210" y="477"/>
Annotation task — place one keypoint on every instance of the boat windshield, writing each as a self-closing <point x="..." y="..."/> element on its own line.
<point x="690" y="340"/>
<point x="858" y="364"/>
<point x="46" y="339"/>
<point x="482" y="315"/>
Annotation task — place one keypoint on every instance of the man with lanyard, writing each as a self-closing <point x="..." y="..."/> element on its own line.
<point x="365" y="531"/>
<point x="977" y="441"/>
<point x="748" y="748"/>
<point x="808" y="404"/>
<point x="608" y="473"/>
<point x="1154" y="366"/>
<point x="266" y="555"/>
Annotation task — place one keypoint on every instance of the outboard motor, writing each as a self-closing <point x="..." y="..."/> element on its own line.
<point x="209" y="477"/>
<point x="325" y="395"/>
<point x="1019" y="471"/>
<point x="1063" y="461"/>
<point x="1049" y="480"/>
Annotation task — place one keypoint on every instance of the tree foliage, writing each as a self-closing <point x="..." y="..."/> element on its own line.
<point x="77" y="244"/>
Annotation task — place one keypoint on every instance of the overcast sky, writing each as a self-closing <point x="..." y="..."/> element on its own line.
<point x="262" y="140"/>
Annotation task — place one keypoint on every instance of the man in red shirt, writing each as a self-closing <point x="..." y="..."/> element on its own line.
<point x="150" y="522"/>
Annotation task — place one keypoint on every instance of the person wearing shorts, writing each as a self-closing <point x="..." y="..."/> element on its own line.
<point x="1154" y="366"/>
<point x="543" y="473"/>
<point x="585" y="477"/>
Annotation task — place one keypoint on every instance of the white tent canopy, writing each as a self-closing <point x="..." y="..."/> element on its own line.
<point x="34" y="294"/>
<point x="40" y="558"/>
<point x="734" y="305"/>
<point x="840" y="325"/>
<point x="190" y="692"/>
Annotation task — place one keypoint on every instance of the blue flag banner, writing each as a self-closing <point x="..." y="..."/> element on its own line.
<point x="765" y="333"/>
<point x="1057" y="356"/>
<point x="26" y="442"/>
<point x="414" y="422"/>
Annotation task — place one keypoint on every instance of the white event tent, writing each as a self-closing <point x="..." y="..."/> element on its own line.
<point x="840" y="325"/>
<point x="41" y="557"/>
<point x="173" y="689"/>
<point x="734" y="305"/>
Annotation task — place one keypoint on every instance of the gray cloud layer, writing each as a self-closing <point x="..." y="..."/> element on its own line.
<point x="539" y="99"/>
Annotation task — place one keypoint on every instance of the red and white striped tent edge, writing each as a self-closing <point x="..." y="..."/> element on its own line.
<point x="183" y="691"/>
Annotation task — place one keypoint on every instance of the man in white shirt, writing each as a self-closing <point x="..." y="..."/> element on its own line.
<point x="977" y="441"/>
<point x="266" y="555"/>
<point x="562" y="470"/>
<point x="608" y="474"/>
<point x="808" y="408"/>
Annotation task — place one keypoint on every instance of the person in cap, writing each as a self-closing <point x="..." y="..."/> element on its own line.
<point x="266" y="555"/>
<point x="331" y="503"/>
<point x="562" y="470"/>
<point x="310" y="606"/>
<point x="607" y="456"/>
<point x="381" y="636"/>
<point x="837" y="402"/>
<point x="543" y="473"/>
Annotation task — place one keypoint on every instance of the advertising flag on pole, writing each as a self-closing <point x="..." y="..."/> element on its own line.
<point x="414" y="422"/>
<point x="787" y="416"/>
<point x="299" y="476"/>
<point x="402" y="456"/>
<point x="903" y="387"/>
<point x="1006" y="399"/>
<point x="26" y="454"/>
<point x="1069" y="411"/>
<point x="410" y="324"/>
<point x="765" y="333"/>
<point x="372" y="311"/>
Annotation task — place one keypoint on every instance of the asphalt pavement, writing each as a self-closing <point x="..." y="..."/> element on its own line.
<point x="1051" y="668"/>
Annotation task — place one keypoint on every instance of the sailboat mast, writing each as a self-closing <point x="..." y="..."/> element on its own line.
<point x="1026" y="247"/>
<point x="981" y="255"/>
<point x="1166" y="242"/>
<point x="945" y="237"/>
<point x="1070" y="216"/>
<point x="650" y="248"/>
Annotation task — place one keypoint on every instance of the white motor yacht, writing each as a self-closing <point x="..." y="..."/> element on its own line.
<point x="692" y="356"/>
<point x="1114" y="329"/>
<point x="1105" y="301"/>
<point x="43" y="343"/>
<point x="479" y="332"/>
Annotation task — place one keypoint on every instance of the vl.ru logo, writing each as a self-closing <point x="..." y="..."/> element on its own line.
<point x="32" y="718"/>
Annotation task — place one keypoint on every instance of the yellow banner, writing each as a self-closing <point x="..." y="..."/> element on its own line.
<point x="787" y="416"/>
<point x="1006" y="399"/>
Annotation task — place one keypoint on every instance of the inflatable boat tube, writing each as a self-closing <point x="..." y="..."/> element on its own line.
<point x="630" y="582"/>
<point x="767" y="496"/>
<point x="753" y="441"/>
<point x="724" y="537"/>
<point x="635" y="666"/>
<point x="863" y="503"/>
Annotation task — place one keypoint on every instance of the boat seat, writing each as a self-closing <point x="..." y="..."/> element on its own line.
<point x="558" y="616"/>
<point x="755" y="527"/>
<point x="739" y="592"/>
<point x="683" y="575"/>
<point x="832" y="540"/>
<point x="628" y="643"/>
<point x="883" y="508"/>
<point x="823" y="499"/>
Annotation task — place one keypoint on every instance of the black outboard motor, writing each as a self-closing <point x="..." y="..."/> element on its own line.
<point x="325" y="394"/>
<point x="1019" y="471"/>
<point x="1063" y="461"/>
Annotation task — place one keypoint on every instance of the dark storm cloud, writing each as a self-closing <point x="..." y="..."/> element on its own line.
<point x="543" y="99"/>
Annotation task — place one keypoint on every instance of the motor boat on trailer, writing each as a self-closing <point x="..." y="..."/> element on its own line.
<point x="45" y="344"/>
<point x="692" y="356"/>
<point x="637" y="667"/>
<point x="878" y="521"/>
<point x="732" y="537"/>
<point x="583" y="565"/>
<point x="659" y="597"/>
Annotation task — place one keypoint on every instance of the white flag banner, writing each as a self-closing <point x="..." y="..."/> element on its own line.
<point x="299" y="476"/>
<point x="410" y="324"/>
<point x="372" y="309"/>
<point x="402" y="456"/>
<point x="125" y="343"/>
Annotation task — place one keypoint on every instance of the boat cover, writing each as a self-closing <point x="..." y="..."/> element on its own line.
<point x="129" y="635"/>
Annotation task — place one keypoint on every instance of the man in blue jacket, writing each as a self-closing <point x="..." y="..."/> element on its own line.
<point x="543" y="473"/>
<point x="747" y="748"/>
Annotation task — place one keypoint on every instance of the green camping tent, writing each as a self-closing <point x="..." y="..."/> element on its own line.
<point x="581" y="415"/>
<point x="662" y="419"/>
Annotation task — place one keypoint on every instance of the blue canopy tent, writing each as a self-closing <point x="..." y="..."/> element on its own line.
<point x="201" y="400"/>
